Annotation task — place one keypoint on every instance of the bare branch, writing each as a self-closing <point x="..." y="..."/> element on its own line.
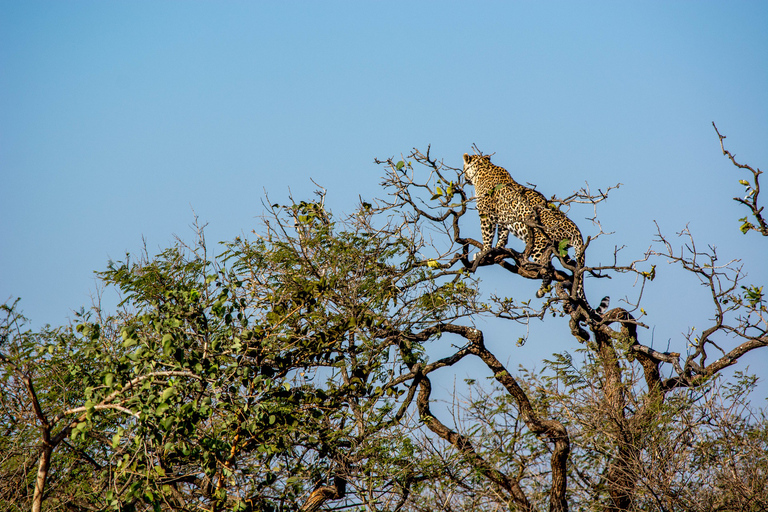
<point x="750" y="200"/>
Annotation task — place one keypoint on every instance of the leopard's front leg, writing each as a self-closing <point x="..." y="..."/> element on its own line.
<point x="503" y="236"/>
<point x="488" y="230"/>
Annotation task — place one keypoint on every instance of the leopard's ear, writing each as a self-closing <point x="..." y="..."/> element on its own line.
<point x="466" y="158"/>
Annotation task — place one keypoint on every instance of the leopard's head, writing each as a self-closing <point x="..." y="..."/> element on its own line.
<point x="473" y="163"/>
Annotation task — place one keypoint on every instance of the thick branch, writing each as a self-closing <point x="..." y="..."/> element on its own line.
<point x="461" y="443"/>
<point x="324" y="493"/>
<point x="553" y="430"/>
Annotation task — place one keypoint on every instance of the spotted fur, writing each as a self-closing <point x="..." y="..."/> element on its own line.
<point x="504" y="206"/>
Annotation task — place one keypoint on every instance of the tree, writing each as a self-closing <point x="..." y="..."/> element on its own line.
<point x="292" y="370"/>
<point x="631" y="387"/>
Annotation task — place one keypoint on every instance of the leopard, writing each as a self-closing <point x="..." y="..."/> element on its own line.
<point x="505" y="206"/>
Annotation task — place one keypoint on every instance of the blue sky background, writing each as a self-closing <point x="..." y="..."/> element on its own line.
<point x="118" y="118"/>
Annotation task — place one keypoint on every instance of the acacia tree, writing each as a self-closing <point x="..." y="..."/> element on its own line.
<point x="292" y="370"/>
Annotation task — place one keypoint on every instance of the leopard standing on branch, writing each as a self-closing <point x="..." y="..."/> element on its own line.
<point x="509" y="207"/>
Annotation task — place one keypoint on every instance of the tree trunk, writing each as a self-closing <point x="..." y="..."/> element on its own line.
<point x="620" y="479"/>
<point x="42" y="475"/>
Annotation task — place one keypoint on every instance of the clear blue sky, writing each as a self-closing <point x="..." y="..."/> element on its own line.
<point x="117" y="118"/>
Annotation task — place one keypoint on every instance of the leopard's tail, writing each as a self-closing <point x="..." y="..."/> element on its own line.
<point x="605" y="302"/>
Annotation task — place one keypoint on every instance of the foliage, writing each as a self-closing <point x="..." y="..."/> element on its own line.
<point x="292" y="370"/>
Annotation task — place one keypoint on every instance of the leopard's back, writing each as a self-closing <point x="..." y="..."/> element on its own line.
<point x="558" y="227"/>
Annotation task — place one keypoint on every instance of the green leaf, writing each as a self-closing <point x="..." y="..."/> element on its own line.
<point x="753" y="295"/>
<point x="169" y="392"/>
<point x="651" y="275"/>
<point x="746" y="226"/>
<point x="497" y="188"/>
<point x="167" y="344"/>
